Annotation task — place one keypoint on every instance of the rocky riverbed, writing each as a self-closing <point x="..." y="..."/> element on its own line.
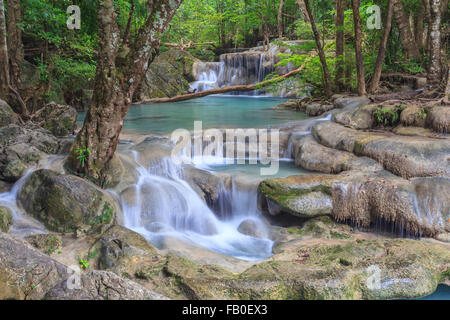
<point x="369" y="220"/>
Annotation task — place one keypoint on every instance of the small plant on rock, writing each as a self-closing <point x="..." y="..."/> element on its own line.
<point x="386" y="117"/>
<point x="83" y="154"/>
<point x="84" y="264"/>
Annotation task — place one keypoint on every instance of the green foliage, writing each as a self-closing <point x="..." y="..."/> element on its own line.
<point x="388" y="116"/>
<point x="84" y="263"/>
<point x="83" y="154"/>
<point x="422" y="113"/>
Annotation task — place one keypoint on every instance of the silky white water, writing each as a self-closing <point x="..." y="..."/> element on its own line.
<point x="165" y="205"/>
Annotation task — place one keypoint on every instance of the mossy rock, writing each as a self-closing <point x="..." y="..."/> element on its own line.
<point x="6" y="217"/>
<point x="7" y="115"/>
<point x="66" y="203"/>
<point x="47" y="243"/>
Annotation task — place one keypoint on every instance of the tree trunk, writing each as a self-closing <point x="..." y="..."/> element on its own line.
<point x="419" y="22"/>
<point x="280" y="20"/>
<point x="15" y="46"/>
<point x="447" y="88"/>
<point x="382" y="49"/>
<point x="323" y="60"/>
<point x="406" y="38"/>
<point x="302" y="5"/>
<point x="4" y="60"/>
<point x="434" y="71"/>
<point x="358" y="48"/>
<point x="340" y="45"/>
<point x="116" y="80"/>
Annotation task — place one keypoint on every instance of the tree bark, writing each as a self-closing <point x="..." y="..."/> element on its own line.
<point x="419" y="22"/>
<point x="116" y="80"/>
<point x="302" y="5"/>
<point x="447" y="88"/>
<point x="7" y="92"/>
<point x="434" y="71"/>
<point x="4" y="60"/>
<point x="358" y="48"/>
<point x="382" y="49"/>
<point x="126" y="36"/>
<point x="280" y="20"/>
<point x="15" y="46"/>
<point x="323" y="60"/>
<point x="406" y="38"/>
<point x="340" y="45"/>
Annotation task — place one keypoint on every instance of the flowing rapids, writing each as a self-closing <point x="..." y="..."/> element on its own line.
<point x="166" y="206"/>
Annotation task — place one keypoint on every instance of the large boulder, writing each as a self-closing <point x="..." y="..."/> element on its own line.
<point x="316" y="109"/>
<point x="26" y="273"/>
<point x="66" y="203"/>
<point x="304" y="196"/>
<point x="21" y="147"/>
<point x="351" y="103"/>
<point x="58" y="119"/>
<point x="359" y="118"/>
<point x="7" y="115"/>
<point x="168" y="75"/>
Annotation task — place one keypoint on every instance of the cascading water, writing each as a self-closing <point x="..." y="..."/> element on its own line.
<point x="165" y="205"/>
<point x="239" y="68"/>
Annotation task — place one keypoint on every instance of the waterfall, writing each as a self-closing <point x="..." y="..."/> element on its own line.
<point x="239" y="68"/>
<point x="162" y="204"/>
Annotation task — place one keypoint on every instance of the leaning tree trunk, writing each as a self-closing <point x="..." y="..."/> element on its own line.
<point x="323" y="60"/>
<point x="358" y="48"/>
<point x="340" y="45"/>
<point x="406" y="38"/>
<point x="382" y="49"/>
<point x="116" y="80"/>
<point x="15" y="46"/>
<point x="434" y="71"/>
<point x="280" y="20"/>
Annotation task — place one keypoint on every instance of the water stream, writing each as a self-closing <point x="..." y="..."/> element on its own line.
<point x="165" y="205"/>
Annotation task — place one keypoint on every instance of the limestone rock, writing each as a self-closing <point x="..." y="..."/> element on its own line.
<point x="253" y="228"/>
<point x="66" y="203"/>
<point x="316" y="109"/>
<point x="5" y="218"/>
<point x="404" y="156"/>
<point x="168" y="75"/>
<point x="359" y="118"/>
<point x="7" y="115"/>
<point x="58" y="119"/>
<point x="413" y="116"/>
<point x="313" y="156"/>
<point x="438" y="118"/>
<point x="21" y="147"/>
<point x="350" y="103"/>
<point x="26" y="273"/>
<point x="47" y="243"/>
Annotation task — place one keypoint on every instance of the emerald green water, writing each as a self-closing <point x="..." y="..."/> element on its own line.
<point x="214" y="111"/>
